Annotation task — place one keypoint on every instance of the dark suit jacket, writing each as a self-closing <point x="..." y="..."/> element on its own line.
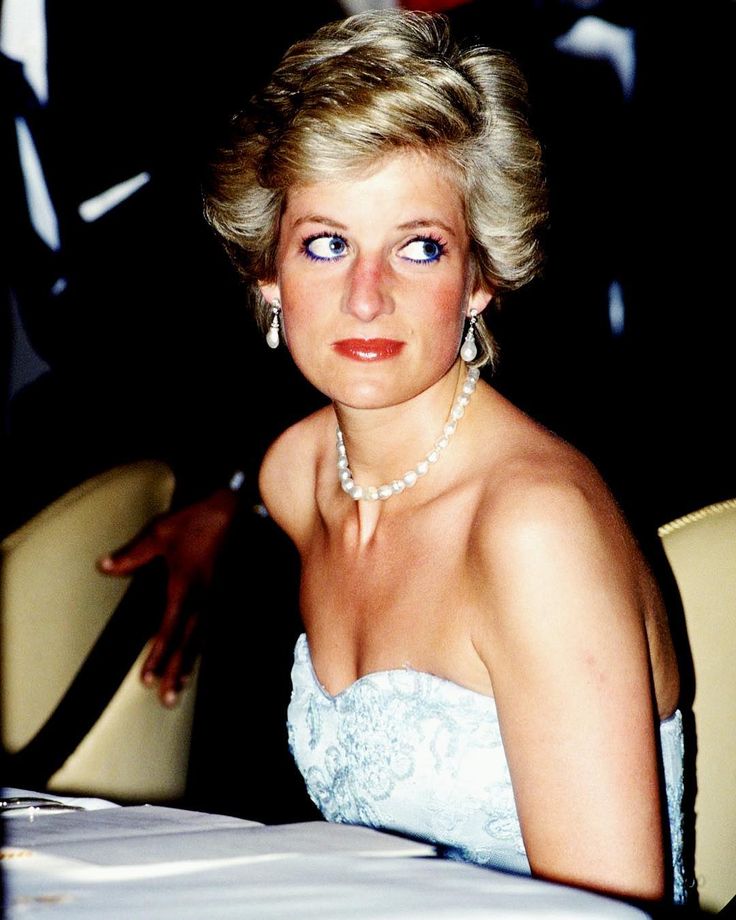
<point x="151" y="346"/>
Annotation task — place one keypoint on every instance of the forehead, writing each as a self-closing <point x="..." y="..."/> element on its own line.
<point x="404" y="186"/>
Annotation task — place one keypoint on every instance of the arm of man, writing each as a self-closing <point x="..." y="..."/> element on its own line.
<point x="566" y="646"/>
<point x="189" y="540"/>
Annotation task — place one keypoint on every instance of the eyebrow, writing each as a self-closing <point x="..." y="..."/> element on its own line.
<point x="416" y="224"/>
<point x="319" y="219"/>
<point x="426" y="222"/>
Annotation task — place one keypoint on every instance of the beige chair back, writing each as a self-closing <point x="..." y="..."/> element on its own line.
<point x="54" y="604"/>
<point x="701" y="549"/>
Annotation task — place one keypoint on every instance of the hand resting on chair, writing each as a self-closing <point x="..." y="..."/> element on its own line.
<point x="189" y="541"/>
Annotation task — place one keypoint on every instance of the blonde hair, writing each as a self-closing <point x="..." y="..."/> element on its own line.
<point x="360" y="89"/>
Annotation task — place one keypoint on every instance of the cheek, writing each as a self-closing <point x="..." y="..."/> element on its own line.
<point x="445" y="318"/>
<point x="300" y="309"/>
<point x="305" y="329"/>
<point x="300" y="332"/>
<point x="293" y="323"/>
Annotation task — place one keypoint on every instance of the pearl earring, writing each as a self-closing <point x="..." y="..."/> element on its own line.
<point x="272" y="336"/>
<point x="469" y="350"/>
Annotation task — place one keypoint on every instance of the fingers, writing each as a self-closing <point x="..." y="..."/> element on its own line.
<point x="173" y="651"/>
<point x="176" y="591"/>
<point x="144" y="547"/>
<point x="179" y="666"/>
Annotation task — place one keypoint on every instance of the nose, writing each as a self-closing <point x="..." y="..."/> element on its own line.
<point x="368" y="293"/>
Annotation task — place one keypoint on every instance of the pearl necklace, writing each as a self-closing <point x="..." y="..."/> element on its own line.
<point x="375" y="493"/>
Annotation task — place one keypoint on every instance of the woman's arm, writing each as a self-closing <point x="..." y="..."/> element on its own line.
<point x="566" y="646"/>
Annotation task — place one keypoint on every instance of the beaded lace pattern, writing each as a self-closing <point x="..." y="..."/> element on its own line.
<point x="417" y="754"/>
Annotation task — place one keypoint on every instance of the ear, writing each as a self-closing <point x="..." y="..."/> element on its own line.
<point x="270" y="290"/>
<point x="479" y="299"/>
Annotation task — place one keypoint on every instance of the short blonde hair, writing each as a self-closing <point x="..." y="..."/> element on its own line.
<point x="368" y="86"/>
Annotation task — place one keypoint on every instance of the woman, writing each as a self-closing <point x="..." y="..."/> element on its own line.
<point x="487" y="656"/>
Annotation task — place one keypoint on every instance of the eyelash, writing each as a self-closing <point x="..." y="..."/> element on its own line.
<point x="425" y="238"/>
<point x="428" y="238"/>
<point x="307" y="242"/>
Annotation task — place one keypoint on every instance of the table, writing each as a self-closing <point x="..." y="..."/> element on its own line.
<point x="109" y="862"/>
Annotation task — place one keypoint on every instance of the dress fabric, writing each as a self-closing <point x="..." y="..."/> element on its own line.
<point x="410" y="752"/>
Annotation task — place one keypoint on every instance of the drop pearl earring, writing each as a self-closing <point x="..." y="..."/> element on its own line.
<point x="469" y="350"/>
<point x="272" y="336"/>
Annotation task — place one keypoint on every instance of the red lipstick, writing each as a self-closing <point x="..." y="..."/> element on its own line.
<point x="368" y="349"/>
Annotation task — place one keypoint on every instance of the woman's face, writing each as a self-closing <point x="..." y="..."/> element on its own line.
<point x="373" y="275"/>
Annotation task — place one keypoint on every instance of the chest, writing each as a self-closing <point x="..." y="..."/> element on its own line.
<point x="406" y="598"/>
<point x="406" y="567"/>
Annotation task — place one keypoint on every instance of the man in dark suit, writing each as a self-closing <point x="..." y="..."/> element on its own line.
<point x="128" y="334"/>
<point x="135" y="312"/>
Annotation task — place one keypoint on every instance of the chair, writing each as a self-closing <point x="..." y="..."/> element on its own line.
<point x="701" y="549"/>
<point x="75" y="716"/>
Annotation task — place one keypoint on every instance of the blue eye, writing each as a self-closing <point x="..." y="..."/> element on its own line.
<point x="424" y="249"/>
<point x="325" y="248"/>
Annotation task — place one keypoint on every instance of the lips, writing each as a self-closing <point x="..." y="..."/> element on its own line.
<point x="368" y="349"/>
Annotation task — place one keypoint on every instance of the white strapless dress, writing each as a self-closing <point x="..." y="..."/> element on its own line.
<point x="413" y="753"/>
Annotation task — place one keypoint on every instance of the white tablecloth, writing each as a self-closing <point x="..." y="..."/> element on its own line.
<point x="118" y="863"/>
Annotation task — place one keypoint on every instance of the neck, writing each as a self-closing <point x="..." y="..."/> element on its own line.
<point x="383" y="453"/>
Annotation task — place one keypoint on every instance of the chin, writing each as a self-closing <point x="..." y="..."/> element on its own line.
<point x="368" y="396"/>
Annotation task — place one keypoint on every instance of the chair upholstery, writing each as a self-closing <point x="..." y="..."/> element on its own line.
<point x="54" y="605"/>
<point x="701" y="549"/>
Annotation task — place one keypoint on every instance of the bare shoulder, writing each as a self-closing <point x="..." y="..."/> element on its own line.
<point x="537" y="478"/>
<point x="560" y="575"/>
<point x="288" y="473"/>
<point x="548" y="526"/>
<point x="547" y="492"/>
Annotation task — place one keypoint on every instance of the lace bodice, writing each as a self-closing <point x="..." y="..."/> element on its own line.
<point x="414" y="753"/>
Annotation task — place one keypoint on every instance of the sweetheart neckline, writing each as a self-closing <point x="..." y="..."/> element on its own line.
<point x="333" y="697"/>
